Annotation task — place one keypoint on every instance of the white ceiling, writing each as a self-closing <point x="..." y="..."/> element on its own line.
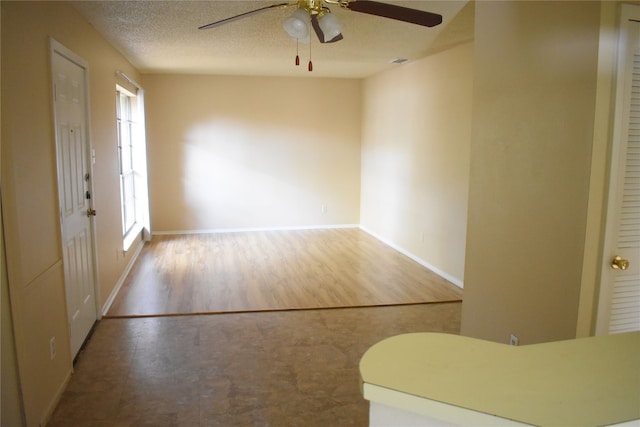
<point x="163" y="37"/>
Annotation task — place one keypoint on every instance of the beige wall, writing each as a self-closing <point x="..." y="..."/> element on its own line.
<point x="10" y="401"/>
<point x="532" y="135"/>
<point x="415" y="157"/>
<point x="236" y="152"/>
<point x="29" y="190"/>
<point x="276" y="150"/>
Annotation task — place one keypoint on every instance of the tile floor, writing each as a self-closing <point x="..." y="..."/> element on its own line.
<point x="295" y="368"/>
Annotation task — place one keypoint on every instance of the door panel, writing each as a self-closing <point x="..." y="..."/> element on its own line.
<point x="625" y="302"/>
<point x="619" y="306"/>
<point x="73" y="187"/>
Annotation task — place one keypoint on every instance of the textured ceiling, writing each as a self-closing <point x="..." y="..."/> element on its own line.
<point x="162" y="37"/>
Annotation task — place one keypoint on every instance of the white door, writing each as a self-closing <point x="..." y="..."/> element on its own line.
<point x="619" y="305"/>
<point x="76" y="214"/>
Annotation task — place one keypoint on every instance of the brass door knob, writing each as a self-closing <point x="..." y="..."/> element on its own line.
<point x="618" y="263"/>
<point x="91" y="212"/>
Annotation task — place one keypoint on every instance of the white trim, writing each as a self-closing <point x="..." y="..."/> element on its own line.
<point x="125" y="91"/>
<point x="55" y="47"/>
<point x="247" y="229"/>
<point x="130" y="238"/>
<point x="123" y="277"/>
<point x="142" y="166"/>
<point x="129" y="79"/>
<point x="140" y="159"/>
<point x="456" y="281"/>
<point x="59" y="48"/>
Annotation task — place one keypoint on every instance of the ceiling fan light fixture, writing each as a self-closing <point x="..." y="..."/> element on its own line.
<point x="330" y="26"/>
<point x="297" y="25"/>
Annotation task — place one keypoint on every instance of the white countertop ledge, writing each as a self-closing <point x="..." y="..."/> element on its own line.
<point x="588" y="381"/>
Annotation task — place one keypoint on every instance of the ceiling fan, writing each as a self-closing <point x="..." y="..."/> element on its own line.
<point x="328" y="29"/>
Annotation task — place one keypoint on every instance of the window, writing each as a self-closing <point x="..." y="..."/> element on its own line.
<point x="131" y="162"/>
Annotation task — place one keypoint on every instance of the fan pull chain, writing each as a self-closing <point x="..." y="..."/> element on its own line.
<point x="310" y="67"/>
<point x="297" y="56"/>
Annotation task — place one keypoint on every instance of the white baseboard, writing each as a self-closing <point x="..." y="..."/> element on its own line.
<point x="240" y="230"/>
<point x="455" y="280"/>
<point x="116" y="289"/>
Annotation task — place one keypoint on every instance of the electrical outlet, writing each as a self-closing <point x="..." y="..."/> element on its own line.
<point x="324" y="209"/>
<point x="514" y="340"/>
<point x="52" y="348"/>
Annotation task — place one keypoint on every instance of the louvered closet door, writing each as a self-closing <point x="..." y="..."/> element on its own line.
<point x="623" y="281"/>
<point x="625" y="303"/>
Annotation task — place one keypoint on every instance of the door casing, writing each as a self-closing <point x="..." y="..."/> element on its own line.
<point x="57" y="48"/>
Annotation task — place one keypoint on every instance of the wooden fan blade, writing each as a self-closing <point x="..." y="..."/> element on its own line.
<point x="320" y="33"/>
<point x="243" y="15"/>
<point x="399" y="13"/>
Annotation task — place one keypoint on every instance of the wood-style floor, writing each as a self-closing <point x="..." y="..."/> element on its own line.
<point x="273" y="270"/>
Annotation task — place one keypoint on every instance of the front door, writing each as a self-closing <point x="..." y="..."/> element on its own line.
<point x="619" y="305"/>
<point x="74" y="179"/>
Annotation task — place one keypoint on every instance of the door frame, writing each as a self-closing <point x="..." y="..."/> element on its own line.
<point x="627" y="13"/>
<point x="57" y="48"/>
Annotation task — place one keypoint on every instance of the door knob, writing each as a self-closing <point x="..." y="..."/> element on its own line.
<point x="618" y="263"/>
<point x="91" y="212"/>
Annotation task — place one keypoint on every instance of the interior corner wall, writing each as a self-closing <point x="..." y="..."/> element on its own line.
<point x="229" y="152"/>
<point x="532" y="135"/>
<point x="29" y="189"/>
<point x="415" y="158"/>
